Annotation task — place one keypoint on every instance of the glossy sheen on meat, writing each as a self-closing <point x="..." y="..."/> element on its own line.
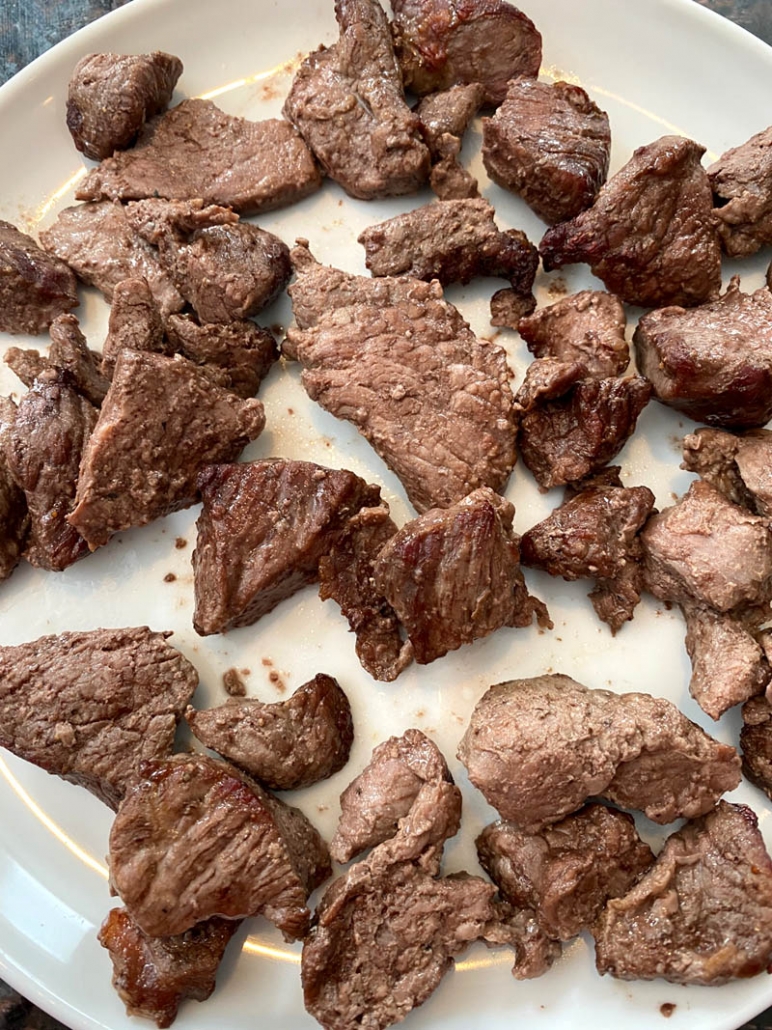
<point x="286" y="745"/>
<point x="742" y="188"/>
<point x="444" y="119"/>
<point x="568" y="871"/>
<point x="196" y="151"/>
<point x="162" y="421"/>
<point x="703" y="912"/>
<point x="651" y="235"/>
<point x="740" y="466"/>
<point x="549" y="143"/>
<point x="237" y="356"/>
<point x="348" y="104"/>
<point x="110" y="97"/>
<point x="443" y="42"/>
<point x="68" y="351"/>
<point x="135" y="323"/>
<point x="196" y="838"/>
<point x="90" y="707"/>
<point x="14" y="520"/>
<point x="713" y="362"/>
<point x="261" y="532"/>
<point x="35" y="287"/>
<point x="756" y="743"/>
<point x="538" y="748"/>
<point x="153" y="975"/>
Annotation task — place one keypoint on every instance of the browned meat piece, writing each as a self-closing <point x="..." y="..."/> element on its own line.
<point x="152" y="975"/>
<point x="238" y="355"/>
<point x="443" y="42"/>
<point x="290" y="744"/>
<point x="111" y="96"/>
<point x="444" y="120"/>
<point x="196" y="838"/>
<point x="384" y="792"/>
<point x="714" y="362"/>
<point x="538" y="748"/>
<point x="756" y="743"/>
<point x="703" y="912"/>
<point x="567" y="872"/>
<point x="261" y="532"/>
<point x="69" y="351"/>
<point x="739" y="466"/>
<point x="35" y="287"/>
<point x="346" y="576"/>
<point x="43" y="449"/>
<point x="448" y="178"/>
<point x="704" y="548"/>
<point x="162" y="421"/>
<point x="742" y="190"/>
<point x="453" y="576"/>
<point x="549" y="143"/>
<point x="588" y="327"/>
<point x="508" y="307"/>
<point x="195" y="150"/>
<point x="103" y="250"/>
<point x="135" y="324"/>
<point x="91" y="707"/>
<point x="14" y="520"/>
<point x="394" y="358"/>
<point x="594" y="534"/>
<point x="651" y="235"/>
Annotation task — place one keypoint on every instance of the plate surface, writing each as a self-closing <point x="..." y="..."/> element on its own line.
<point x="659" y="67"/>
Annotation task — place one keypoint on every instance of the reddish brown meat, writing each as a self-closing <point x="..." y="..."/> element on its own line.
<point x="444" y="120"/>
<point x="237" y="356"/>
<point x="135" y="324"/>
<point x="739" y="466"/>
<point x="68" y="351"/>
<point x="35" y="287"/>
<point x="587" y="327"/>
<point x="756" y="743"/>
<point x="14" y="520"/>
<point x="742" y="187"/>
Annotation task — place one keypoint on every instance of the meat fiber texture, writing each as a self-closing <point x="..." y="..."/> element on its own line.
<point x="35" y="286"/>
<point x="742" y="186"/>
<point x="739" y="465"/>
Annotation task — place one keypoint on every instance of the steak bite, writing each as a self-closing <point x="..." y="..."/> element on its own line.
<point x="756" y="743"/>
<point x="348" y="104"/>
<point x="444" y="120"/>
<point x="91" y="707"/>
<point x="135" y="324"/>
<point x="549" y="143"/>
<point x="195" y="838"/>
<point x="236" y="355"/>
<point x="703" y="912"/>
<point x="35" y="287"/>
<point x="14" y="520"/>
<point x="261" y="532"/>
<point x="196" y="151"/>
<point x="68" y="351"/>
<point x="287" y="745"/>
<point x="162" y="421"/>
<point x="739" y="466"/>
<point x="538" y="748"/>
<point x="651" y="233"/>
<point x="453" y="576"/>
<point x="741" y="180"/>
<point x="110" y="97"/>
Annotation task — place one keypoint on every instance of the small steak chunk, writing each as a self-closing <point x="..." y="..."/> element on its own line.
<point x="739" y="466"/>
<point x="195" y="838"/>
<point x="135" y="324"/>
<point x="444" y="120"/>
<point x="567" y="872"/>
<point x="538" y="748"/>
<point x="238" y="355"/>
<point x="91" y="707"/>
<point x="549" y="143"/>
<point x="287" y="745"/>
<point x="756" y="743"/>
<point x="195" y="150"/>
<point x="35" y="287"/>
<point x="742" y="188"/>
<point x="261" y="532"/>
<point x="111" y="96"/>
<point x="68" y="351"/>
<point x="162" y="421"/>
<point x="347" y="103"/>
<point x="14" y="520"/>
<point x="651" y="234"/>
<point x="153" y="975"/>
<point x="703" y="912"/>
<point x="588" y="327"/>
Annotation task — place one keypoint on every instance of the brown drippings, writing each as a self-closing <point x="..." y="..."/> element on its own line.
<point x="180" y="542"/>
<point x="169" y="577"/>
<point x="276" y="678"/>
<point x="667" y="1009"/>
<point x="233" y="683"/>
<point x="557" y="288"/>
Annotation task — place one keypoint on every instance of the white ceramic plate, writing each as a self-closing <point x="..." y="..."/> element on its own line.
<point x="660" y="66"/>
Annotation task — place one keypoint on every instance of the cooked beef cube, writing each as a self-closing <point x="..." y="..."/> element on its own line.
<point x="714" y="362"/>
<point x="135" y="324"/>
<point x="152" y="975"/>
<point x="443" y="42"/>
<point x="508" y="307"/>
<point x="99" y="244"/>
<point x="111" y="96"/>
<point x="162" y="421"/>
<point x="347" y="102"/>
<point x="346" y="576"/>
<point x="703" y="912"/>
<point x="69" y="351"/>
<point x="594" y="534"/>
<point x="448" y="178"/>
<point x="742" y="188"/>
<point x="704" y="548"/>
<point x="538" y="748"/>
<point x="651" y="234"/>
<point x="91" y="707"/>
<point x="196" y="838"/>
<point x="261" y="532"/>
<point x="453" y="576"/>
<point x="394" y="358"/>
<point x="43" y="449"/>
<point x="549" y="143"/>
<point x="756" y="743"/>
<point x="195" y="150"/>
<point x="728" y="666"/>
<point x="14" y="520"/>
<point x="35" y="287"/>
<point x="384" y="792"/>
<point x="290" y="744"/>
<point x="739" y="466"/>
<point x="567" y="872"/>
<point x="444" y="120"/>
<point x="588" y="327"/>
<point x="238" y="355"/>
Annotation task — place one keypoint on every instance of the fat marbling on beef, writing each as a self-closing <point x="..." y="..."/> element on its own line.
<point x="742" y="188"/>
<point x="35" y="286"/>
<point x="739" y="465"/>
